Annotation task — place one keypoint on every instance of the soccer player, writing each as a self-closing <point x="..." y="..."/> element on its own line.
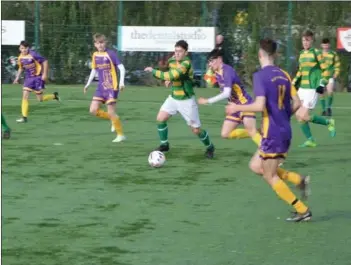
<point x="182" y="98"/>
<point x="233" y="90"/>
<point x="36" y="69"/>
<point x="274" y="93"/>
<point x="332" y="60"/>
<point x="105" y="63"/>
<point x="311" y="79"/>
<point x="7" y="131"/>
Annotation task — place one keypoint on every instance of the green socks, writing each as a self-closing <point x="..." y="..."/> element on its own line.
<point x="205" y="138"/>
<point x="330" y="101"/>
<point x="306" y="130"/>
<point x="163" y="132"/>
<point x="3" y="123"/>
<point x="319" y="120"/>
<point x="322" y="100"/>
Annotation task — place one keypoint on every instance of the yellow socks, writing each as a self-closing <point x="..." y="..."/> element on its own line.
<point x="257" y="139"/>
<point x="242" y="133"/>
<point x="117" y="124"/>
<point x="25" y="107"/>
<point x="239" y="134"/>
<point x="289" y="176"/>
<point x="48" y="97"/>
<point x="102" y="114"/>
<point x="285" y="194"/>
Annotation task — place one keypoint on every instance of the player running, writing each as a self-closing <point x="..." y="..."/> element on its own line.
<point x="6" y="134"/>
<point x="274" y="92"/>
<point x="182" y="98"/>
<point x="105" y="63"/>
<point x="233" y="90"/>
<point x="332" y="60"/>
<point x="311" y="79"/>
<point x="36" y="69"/>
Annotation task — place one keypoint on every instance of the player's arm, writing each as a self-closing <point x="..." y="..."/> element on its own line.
<point x="260" y="101"/>
<point x="44" y="63"/>
<point x="19" y="72"/>
<point x="45" y="70"/>
<point x="257" y="106"/>
<point x="324" y="67"/>
<point x="225" y="94"/>
<point x="296" y="103"/>
<point x="337" y="65"/>
<point x="91" y="78"/>
<point x="298" y="76"/>
<point x="120" y="66"/>
<point x="92" y="73"/>
<point x="173" y="74"/>
<point x="122" y="74"/>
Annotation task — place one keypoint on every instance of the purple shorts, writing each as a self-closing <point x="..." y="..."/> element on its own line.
<point x="239" y="116"/>
<point x="273" y="148"/>
<point x="35" y="84"/>
<point x="106" y="96"/>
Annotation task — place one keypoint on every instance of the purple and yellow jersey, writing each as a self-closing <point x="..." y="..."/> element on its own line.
<point x="275" y="85"/>
<point x="105" y="63"/>
<point x="31" y="63"/>
<point x="227" y="77"/>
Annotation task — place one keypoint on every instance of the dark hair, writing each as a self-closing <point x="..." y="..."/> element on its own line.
<point x="215" y="53"/>
<point x="307" y="33"/>
<point x="269" y="46"/>
<point x="325" y="41"/>
<point x="183" y="44"/>
<point x="25" y="44"/>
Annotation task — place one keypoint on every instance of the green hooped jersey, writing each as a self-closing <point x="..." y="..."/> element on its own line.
<point x="313" y="70"/>
<point x="333" y="61"/>
<point x="181" y="74"/>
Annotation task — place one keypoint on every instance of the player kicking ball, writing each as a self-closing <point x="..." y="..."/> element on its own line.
<point x="182" y="99"/>
<point x="36" y="69"/>
<point x="274" y="92"/>
<point x="232" y="90"/>
<point x="105" y="63"/>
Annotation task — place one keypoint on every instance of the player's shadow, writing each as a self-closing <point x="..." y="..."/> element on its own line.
<point x="341" y="214"/>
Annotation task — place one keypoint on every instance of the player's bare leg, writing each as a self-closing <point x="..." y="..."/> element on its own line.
<point x="116" y="122"/>
<point x="229" y="130"/>
<point x="250" y="126"/>
<point x="25" y="106"/>
<point x="162" y="128"/>
<point x="268" y="169"/>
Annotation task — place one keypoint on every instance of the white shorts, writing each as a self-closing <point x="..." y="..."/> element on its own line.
<point x="187" y="108"/>
<point x="309" y="97"/>
<point x="331" y="81"/>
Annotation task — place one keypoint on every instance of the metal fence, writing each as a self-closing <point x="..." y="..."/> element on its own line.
<point x="63" y="32"/>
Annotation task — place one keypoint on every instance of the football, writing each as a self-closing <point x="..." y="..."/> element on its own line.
<point x="157" y="159"/>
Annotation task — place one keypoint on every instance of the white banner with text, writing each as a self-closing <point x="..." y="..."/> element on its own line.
<point x="12" y="32"/>
<point x="163" y="39"/>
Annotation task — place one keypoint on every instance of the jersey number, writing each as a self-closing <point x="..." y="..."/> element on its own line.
<point x="107" y="83"/>
<point x="281" y="96"/>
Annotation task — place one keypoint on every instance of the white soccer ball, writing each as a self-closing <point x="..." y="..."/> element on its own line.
<point x="156" y="159"/>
